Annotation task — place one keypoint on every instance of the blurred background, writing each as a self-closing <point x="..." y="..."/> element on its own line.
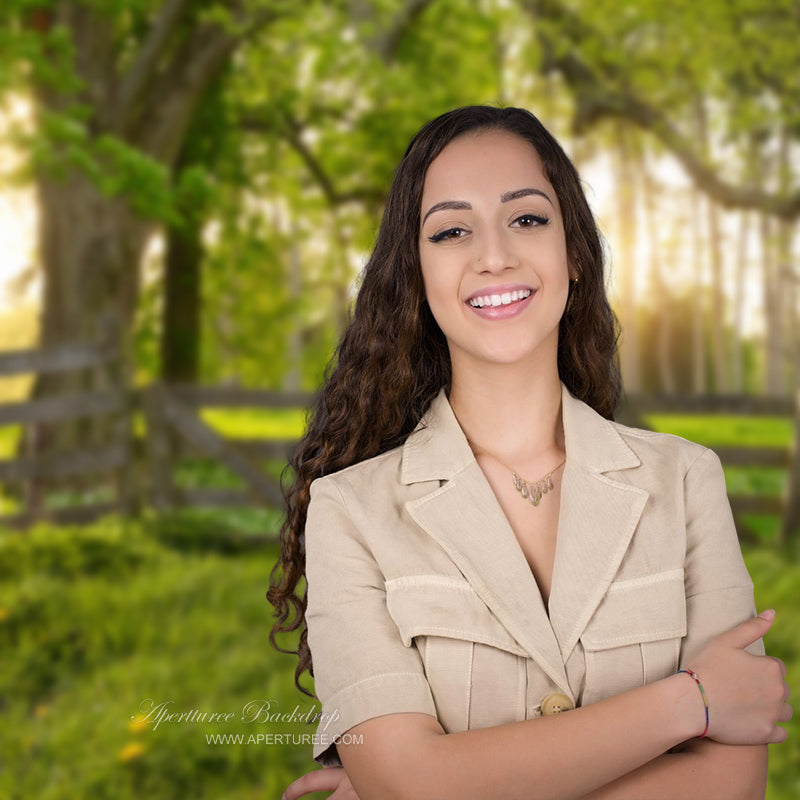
<point x="188" y="191"/>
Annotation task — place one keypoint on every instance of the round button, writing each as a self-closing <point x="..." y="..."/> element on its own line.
<point x="555" y="704"/>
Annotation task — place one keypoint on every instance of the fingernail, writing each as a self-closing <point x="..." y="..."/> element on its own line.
<point x="769" y="614"/>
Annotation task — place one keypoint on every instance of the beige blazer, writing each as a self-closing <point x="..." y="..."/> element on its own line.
<point x="421" y="599"/>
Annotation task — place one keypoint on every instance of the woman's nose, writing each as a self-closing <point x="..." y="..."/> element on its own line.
<point x="494" y="252"/>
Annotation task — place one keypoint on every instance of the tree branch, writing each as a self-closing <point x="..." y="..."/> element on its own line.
<point x="145" y="64"/>
<point x="387" y="43"/>
<point x="199" y="59"/>
<point x="291" y="132"/>
<point x="597" y="98"/>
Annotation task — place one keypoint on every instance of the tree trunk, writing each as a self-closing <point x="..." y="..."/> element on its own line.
<point x="626" y="228"/>
<point x="293" y="378"/>
<point x="774" y="329"/>
<point x="717" y="301"/>
<point x="698" y="299"/>
<point x="91" y="248"/>
<point x="786" y="274"/>
<point x="664" y="318"/>
<point x="737" y="371"/>
<point x="180" y="333"/>
<point x="139" y="94"/>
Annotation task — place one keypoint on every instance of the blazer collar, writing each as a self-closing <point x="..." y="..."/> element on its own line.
<point x="598" y="515"/>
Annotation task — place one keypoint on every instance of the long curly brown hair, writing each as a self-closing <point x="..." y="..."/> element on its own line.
<point x="393" y="359"/>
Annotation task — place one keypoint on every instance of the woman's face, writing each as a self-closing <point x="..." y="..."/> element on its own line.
<point x="492" y="250"/>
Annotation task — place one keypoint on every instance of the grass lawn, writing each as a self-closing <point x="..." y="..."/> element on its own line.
<point x="104" y="622"/>
<point x="726" y="430"/>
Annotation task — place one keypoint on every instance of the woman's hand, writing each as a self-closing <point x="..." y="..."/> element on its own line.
<point x="747" y="695"/>
<point x="327" y="779"/>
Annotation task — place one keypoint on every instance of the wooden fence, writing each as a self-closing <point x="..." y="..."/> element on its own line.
<point x="143" y="470"/>
<point x="176" y="431"/>
<point x="33" y="470"/>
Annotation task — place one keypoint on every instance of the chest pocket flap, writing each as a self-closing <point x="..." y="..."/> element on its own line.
<point x="636" y="610"/>
<point x="438" y="605"/>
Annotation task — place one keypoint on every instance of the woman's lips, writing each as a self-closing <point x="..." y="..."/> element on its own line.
<point x="507" y="311"/>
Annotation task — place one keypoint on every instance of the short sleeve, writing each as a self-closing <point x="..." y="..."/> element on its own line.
<point x="362" y="669"/>
<point x="719" y="590"/>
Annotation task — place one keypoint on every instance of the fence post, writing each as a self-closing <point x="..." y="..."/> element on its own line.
<point x="33" y="488"/>
<point x="159" y="446"/>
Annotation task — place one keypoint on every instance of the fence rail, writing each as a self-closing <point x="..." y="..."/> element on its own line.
<point x="61" y="358"/>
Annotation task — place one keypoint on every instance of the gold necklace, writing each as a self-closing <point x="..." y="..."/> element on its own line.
<point x="532" y="491"/>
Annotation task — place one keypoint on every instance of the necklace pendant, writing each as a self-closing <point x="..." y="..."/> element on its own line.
<point x="533" y="492"/>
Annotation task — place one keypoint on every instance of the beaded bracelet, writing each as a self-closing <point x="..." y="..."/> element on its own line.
<point x="696" y="678"/>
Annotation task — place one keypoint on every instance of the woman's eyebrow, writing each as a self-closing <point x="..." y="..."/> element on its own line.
<point x="517" y="193"/>
<point x="451" y="205"/>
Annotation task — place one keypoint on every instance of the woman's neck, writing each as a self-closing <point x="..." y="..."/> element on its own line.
<point x="515" y="415"/>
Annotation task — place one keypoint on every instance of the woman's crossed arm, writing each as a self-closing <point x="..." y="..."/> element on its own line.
<point x="615" y="749"/>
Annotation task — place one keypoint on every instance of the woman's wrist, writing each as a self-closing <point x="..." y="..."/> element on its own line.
<point x="681" y="695"/>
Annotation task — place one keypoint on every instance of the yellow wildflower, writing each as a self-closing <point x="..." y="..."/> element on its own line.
<point x="138" y="724"/>
<point x="131" y="752"/>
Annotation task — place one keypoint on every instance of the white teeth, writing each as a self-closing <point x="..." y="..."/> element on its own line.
<point x="499" y="299"/>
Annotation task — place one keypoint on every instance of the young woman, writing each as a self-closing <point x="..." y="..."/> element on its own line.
<point x="503" y="583"/>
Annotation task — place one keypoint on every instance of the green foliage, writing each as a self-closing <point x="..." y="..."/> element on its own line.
<point x="73" y="552"/>
<point x="124" y="171"/>
<point x="776" y="579"/>
<point x="322" y="128"/>
<point x="62" y="145"/>
<point x="291" y="150"/>
<point x="185" y="627"/>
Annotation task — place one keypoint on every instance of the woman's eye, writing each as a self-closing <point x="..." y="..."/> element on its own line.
<point x="530" y="221"/>
<point x="449" y="234"/>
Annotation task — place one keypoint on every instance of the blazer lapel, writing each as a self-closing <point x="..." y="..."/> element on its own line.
<point x="596" y="522"/>
<point x="466" y="520"/>
<point x="597" y="518"/>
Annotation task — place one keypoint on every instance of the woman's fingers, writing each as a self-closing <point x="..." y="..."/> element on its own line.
<point x="781" y="665"/>
<point x="749" y="631"/>
<point x="326" y="779"/>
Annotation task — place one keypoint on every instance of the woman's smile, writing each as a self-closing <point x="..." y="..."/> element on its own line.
<point x="500" y="302"/>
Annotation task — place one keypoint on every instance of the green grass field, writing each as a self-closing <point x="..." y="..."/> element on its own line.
<point x="108" y="620"/>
